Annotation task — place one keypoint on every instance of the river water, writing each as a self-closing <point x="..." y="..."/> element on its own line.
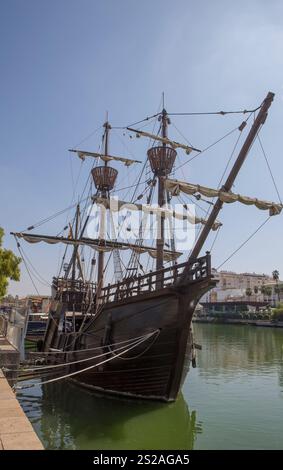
<point x="232" y="400"/>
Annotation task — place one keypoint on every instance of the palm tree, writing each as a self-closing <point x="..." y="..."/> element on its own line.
<point x="262" y="289"/>
<point x="255" y="291"/>
<point x="277" y="291"/>
<point x="266" y="291"/>
<point x="275" y="275"/>
<point x="248" y="292"/>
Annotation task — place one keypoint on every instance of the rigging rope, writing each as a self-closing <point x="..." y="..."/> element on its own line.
<point x="207" y="148"/>
<point x="88" y="136"/>
<point x="130" y="187"/>
<point x="137" y="122"/>
<point x="215" y="238"/>
<point x="181" y="134"/>
<point x="244" y="243"/>
<point x="26" y="266"/>
<point x="36" y="274"/>
<point x="53" y="216"/>
<point x="222" y="113"/>
<point x="135" y="257"/>
<point x="269" y="168"/>
<point x="209" y="209"/>
<point x="203" y="113"/>
<point x="229" y="160"/>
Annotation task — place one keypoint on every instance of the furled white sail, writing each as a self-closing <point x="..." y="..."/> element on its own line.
<point x="116" y="205"/>
<point x="98" y="245"/>
<point x="106" y="158"/>
<point x="175" y="187"/>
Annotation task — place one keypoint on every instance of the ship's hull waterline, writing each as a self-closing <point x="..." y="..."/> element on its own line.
<point x="154" y="369"/>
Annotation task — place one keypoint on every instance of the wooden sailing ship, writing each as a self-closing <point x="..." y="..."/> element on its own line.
<point x="133" y="337"/>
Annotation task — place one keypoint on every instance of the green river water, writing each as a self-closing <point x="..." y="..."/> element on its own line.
<point x="232" y="400"/>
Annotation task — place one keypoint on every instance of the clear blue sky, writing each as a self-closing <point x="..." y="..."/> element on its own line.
<point x="65" y="62"/>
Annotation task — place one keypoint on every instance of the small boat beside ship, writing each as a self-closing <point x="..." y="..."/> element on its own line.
<point x="36" y="326"/>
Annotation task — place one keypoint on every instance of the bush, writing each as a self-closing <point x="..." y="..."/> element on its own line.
<point x="277" y="314"/>
<point x="244" y="308"/>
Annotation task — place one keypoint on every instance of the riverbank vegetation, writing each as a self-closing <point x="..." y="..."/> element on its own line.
<point x="9" y="267"/>
<point x="277" y="313"/>
<point x="268" y="314"/>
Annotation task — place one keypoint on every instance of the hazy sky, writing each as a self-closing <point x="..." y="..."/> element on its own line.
<point x="65" y="62"/>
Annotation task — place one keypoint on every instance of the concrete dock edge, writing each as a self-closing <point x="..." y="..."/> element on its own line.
<point x="16" y="432"/>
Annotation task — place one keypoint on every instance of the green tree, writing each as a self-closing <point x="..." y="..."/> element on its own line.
<point x="277" y="291"/>
<point x="248" y="292"/>
<point x="255" y="289"/>
<point x="275" y="275"/>
<point x="277" y="313"/>
<point x="266" y="291"/>
<point x="9" y="267"/>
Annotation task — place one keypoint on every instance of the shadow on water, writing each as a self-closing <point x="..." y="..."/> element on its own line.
<point x="68" y="417"/>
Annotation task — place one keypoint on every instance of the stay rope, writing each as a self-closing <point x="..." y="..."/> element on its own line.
<point x="244" y="243"/>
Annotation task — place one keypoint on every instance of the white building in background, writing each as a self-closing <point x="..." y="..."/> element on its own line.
<point x="275" y="296"/>
<point x="232" y="286"/>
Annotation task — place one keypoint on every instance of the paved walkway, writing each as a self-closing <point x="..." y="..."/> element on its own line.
<point x="16" y="432"/>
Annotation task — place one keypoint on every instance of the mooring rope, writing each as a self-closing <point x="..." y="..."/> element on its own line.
<point x="88" y="349"/>
<point x="65" y="364"/>
<point x="142" y="352"/>
<point x="85" y="369"/>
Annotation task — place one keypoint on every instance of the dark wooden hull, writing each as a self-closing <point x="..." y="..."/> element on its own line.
<point x="156" y="368"/>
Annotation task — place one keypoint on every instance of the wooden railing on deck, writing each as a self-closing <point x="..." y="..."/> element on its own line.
<point x="78" y="294"/>
<point x="135" y="285"/>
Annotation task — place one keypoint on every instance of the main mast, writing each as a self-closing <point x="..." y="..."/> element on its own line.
<point x="105" y="194"/>
<point x="161" y="201"/>
<point x="161" y="159"/>
<point x="104" y="178"/>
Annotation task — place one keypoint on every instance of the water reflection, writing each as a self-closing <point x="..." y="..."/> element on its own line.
<point x="67" y="417"/>
<point x="237" y="390"/>
<point x="229" y="350"/>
